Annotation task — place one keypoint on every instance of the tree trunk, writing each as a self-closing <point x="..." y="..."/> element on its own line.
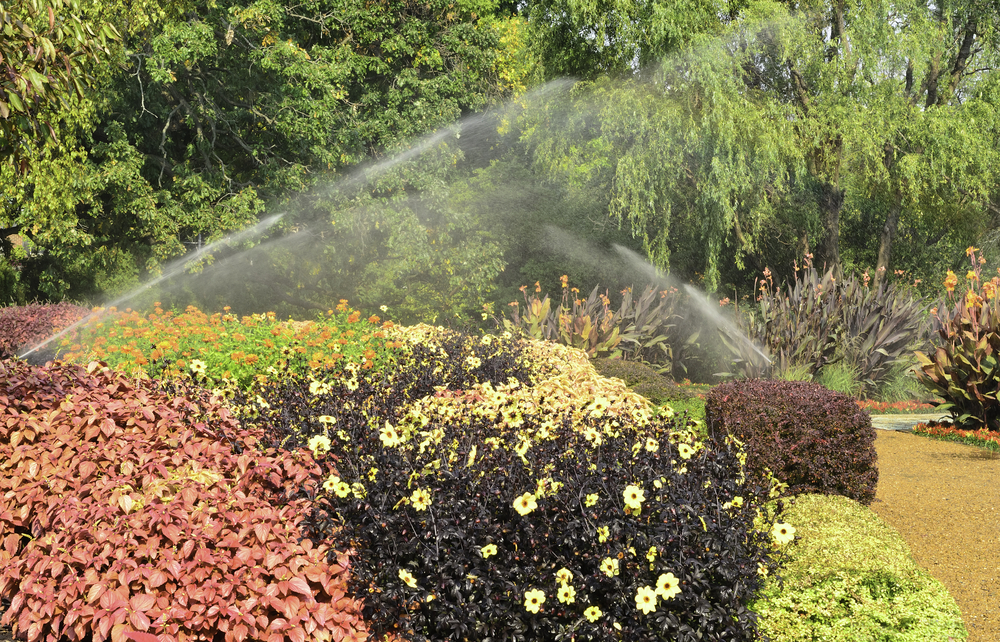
<point x="887" y="237"/>
<point x="831" y="202"/>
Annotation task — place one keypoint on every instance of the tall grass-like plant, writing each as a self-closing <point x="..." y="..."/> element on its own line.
<point x="964" y="368"/>
<point x="647" y="327"/>
<point x="818" y="321"/>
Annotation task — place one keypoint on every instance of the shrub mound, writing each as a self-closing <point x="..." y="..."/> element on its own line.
<point x="810" y="438"/>
<point x="643" y="379"/>
<point x="851" y="577"/>
<point x="126" y="508"/>
<point x="503" y="511"/>
<point x="23" y="326"/>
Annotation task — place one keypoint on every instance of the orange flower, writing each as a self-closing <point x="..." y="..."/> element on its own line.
<point x="950" y="281"/>
<point x="969" y="251"/>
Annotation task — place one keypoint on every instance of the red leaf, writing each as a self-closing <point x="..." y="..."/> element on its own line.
<point x="138" y="620"/>
<point x="300" y="586"/>
<point x="138" y="636"/>
<point x="261" y="531"/>
<point x="142" y="602"/>
<point x="95" y="592"/>
<point x="297" y="634"/>
<point x="157" y="578"/>
<point x="104" y="627"/>
<point x="239" y="633"/>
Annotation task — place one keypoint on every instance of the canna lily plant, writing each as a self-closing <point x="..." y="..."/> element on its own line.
<point x="964" y="367"/>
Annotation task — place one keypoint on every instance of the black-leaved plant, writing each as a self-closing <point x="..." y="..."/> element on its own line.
<point x="483" y="513"/>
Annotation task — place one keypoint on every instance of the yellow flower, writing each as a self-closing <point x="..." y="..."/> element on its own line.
<point x="969" y="251"/>
<point x="327" y="419"/>
<point x="198" y="366"/>
<point x="408" y="579"/>
<point x="609" y="566"/>
<point x="420" y="499"/>
<point x="319" y="445"/>
<point x="489" y="549"/>
<point x="359" y="490"/>
<point x="330" y="484"/>
<point x="602" y="534"/>
<point x="783" y="533"/>
<point x="390" y="436"/>
<point x="593" y="613"/>
<point x="533" y="600"/>
<point x="652" y="445"/>
<point x="342" y="489"/>
<point x="525" y="504"/>
<point x="645" y="599"/>
<point x="651" y="554"/>
<point x="592" y="435"/>
<point x="318" y="388"/>
<point x="736" y="503"/>
<point x="972" y="276"/>
<point x="667" y="586"/>
<point x="564" y="575"/>
<point x="634" y="496"/>
<point x="522" y="447"/>
<point x="685" y="451"/>
<point x="590" y="500"/>
<point x="972" y="299"/>
<point x="566" y="594"/>
<point x="950" y="281"/>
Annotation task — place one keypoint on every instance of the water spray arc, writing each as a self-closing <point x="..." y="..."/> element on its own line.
<point x="175" y="268"/>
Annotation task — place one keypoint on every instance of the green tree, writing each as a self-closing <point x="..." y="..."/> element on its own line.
<point x="216" y="111"/>
<point x="46" y="52"/>
<point x="768" y="126"/>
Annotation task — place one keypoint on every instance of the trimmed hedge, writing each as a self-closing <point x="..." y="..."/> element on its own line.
<point x="811" y="438"/>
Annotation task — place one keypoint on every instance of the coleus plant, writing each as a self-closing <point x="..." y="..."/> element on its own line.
<point x="127" y="508"/>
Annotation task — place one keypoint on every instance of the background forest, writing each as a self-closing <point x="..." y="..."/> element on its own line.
<point x="714" y="139"/>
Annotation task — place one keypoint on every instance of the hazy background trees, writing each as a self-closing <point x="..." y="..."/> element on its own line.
<point x="716" y="138"/>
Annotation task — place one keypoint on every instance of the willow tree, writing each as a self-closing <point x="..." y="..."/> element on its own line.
<point x="781" y="116"/>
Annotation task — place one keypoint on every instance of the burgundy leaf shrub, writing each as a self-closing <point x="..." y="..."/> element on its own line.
<point x="811" y="438"/>
<point x="125" y="508"/>
<point x="23" y="326"/>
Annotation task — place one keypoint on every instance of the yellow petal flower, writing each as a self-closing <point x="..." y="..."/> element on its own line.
<point x="593" y="613"/>
<point x="645" y="599"/>
<point x="525" y="504"/>
<point x="667" y="586"/>
<point x="533" y="600"/>
<point x="783" y="533"/>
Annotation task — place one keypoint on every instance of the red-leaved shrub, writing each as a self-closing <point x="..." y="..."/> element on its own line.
<point x="126" y="508"/>
<point x="23" y="326"/>
<point x="813" y="439"/>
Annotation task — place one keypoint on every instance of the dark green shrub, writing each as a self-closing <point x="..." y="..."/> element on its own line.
<point x="23" y="326"/>
<point x="641" y="378"/>
<point x="461" y="503"/>
<point x="813" y="439"/>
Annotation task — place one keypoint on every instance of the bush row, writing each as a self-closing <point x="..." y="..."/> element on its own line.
<point x="23" y="326"/>
<point x="481" y="507"/>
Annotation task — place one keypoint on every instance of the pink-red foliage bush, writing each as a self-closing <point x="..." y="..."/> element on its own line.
<point x="126" y="508"/>
<point x="23" y="326"/>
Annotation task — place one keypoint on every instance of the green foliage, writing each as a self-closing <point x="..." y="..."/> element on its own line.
<point x="225" y="351"/>
<point x="47" y="49"/>
<point x="587" y="324"/>
<point x="463" y="496"/>
<point x="964" y="368"/>
<point x="850" y="576"/>
<point x="643" y="379"/>
<point x="808" y="437"/>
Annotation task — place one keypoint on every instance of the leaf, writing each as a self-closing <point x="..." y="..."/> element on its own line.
<point x="139" y="636"/>
<point x="300" y="586"/>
